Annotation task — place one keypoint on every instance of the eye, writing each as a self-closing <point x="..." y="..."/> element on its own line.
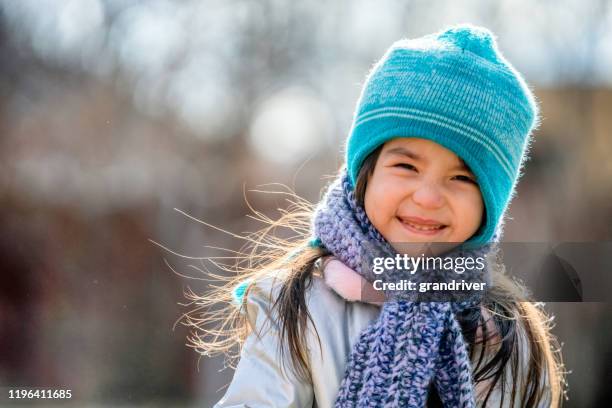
<point x="466" y="179"/>
<point x="406" y="166"/>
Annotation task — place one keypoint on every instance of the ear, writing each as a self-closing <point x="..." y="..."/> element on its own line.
<point x="347" y="283"/>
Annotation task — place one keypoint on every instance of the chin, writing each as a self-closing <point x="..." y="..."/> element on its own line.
<point x="417" y="238"/>
<point x="406" y="239"/>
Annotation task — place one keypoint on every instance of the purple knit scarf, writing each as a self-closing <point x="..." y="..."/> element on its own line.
<point x="413" y="344"/>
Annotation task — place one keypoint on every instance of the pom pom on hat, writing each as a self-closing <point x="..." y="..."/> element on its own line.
<point x="477" y="40"/>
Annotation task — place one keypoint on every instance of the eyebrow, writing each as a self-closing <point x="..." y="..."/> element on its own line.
<point x="402" y="151"/>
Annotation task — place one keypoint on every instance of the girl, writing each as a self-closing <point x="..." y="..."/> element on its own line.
<point x="439" y="136"/>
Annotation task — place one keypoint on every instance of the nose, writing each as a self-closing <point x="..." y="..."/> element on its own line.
<point x="428" y="195"/>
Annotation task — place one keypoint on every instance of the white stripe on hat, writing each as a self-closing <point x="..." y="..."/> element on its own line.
<point x="443" y="122"/>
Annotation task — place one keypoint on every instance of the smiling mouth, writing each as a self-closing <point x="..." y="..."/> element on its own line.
<point x="428" y="228"/>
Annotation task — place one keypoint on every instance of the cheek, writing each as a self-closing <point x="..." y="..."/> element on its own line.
<point x="472" y="207"/>
<point x="381" y="201"/>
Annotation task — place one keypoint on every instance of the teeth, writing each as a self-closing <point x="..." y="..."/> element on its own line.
<point x="424" y="228"/>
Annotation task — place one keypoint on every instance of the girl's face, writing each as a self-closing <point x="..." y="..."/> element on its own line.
<point x="420" y="191"/>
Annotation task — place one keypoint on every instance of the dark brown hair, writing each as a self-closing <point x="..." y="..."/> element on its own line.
<point x="498" y="333"/>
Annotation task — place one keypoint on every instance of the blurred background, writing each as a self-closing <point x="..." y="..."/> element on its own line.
<point x="114" y="113"/>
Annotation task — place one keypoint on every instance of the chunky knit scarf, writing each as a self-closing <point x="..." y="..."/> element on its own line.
<point x="413" y="344"/>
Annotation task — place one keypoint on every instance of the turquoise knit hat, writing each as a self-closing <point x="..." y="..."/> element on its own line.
<point x="455" y="88"/>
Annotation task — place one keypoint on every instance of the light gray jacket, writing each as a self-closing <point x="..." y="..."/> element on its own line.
<point x="259" y="380"/>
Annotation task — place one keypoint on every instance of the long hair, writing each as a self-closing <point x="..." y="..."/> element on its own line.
<point x="500" y="332"/>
